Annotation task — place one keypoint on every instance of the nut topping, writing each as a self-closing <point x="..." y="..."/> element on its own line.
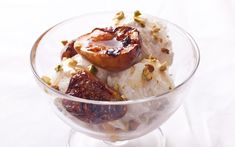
<point x="58" y="68"/>
<point x="165" y="50"/>
<point x="46" y="79"/>
<point x="137" y="13"/>
<point x="140" y="21"/>
<point x="163" y="66"/>
<point x="148" y="72"/>
<point x="118" y="17"/>
<point x="92" y="69"/>
<point x="72" y="62"/>
<point x="155" y="29"/>
<point x="64" y="42"/>
<point x="157" y="38"/>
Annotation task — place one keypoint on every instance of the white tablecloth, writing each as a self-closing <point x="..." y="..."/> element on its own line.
<point x="26" y="119"/>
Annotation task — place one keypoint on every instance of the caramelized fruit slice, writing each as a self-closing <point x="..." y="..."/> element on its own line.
<point x="86" y="85"/>
<point x="113" y="49"/>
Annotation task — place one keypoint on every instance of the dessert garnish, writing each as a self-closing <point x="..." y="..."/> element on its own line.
<point x="85" y="85"/>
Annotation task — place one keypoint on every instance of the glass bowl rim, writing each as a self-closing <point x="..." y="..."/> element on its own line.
<point x="126" y="102"/>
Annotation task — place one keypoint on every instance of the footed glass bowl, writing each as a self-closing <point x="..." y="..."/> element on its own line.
<point x="143" y="117"/>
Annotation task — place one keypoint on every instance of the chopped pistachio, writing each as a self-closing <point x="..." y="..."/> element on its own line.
<point x="92" y="69"/>
<point x="117" y="96"/>
<point x="155" y="29"/>
<point x="46" y="79"/>
<point x="64" y="42"/>
<point x="58" y="68"/>
<point x="146" y="76"/>
<point x="155" y="36"/>
<point x="123" y="97"/>
<point x="153" y="59"/>
<point x="154" y="32"/>
<point x="158" y="39"/>
<point x="137" y="13"/>
<point x="77" y="45"/>
<point x="76" y="70"/>
<point x="55" y="87"/>
<point x="163" y="66"/>
<point x="165" y="50"/>
<point x="148" y="72"/>
<point x="116" y="87"/>
<point x="119" y="15"/>
<point x="140" y="21"/>
<point x="72" y="63"/>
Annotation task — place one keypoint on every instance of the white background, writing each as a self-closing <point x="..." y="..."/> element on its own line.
<point x="26" y="119"/>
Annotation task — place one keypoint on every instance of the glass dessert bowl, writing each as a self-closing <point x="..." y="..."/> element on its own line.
<point x="115" y="94"/>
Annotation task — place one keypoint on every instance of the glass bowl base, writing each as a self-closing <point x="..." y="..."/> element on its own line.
<point x="153" y="139"/>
